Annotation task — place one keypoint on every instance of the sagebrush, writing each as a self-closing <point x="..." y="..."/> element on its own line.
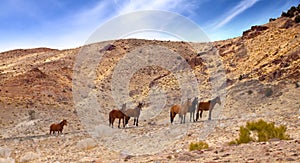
<point x="198" y="146"/>
<point x="258" y="131"/>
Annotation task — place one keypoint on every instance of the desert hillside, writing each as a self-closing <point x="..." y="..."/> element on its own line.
<point x="257" y="76"/>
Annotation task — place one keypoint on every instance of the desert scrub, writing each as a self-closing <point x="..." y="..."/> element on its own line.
<point x="31" y="114"/>
<point x="259" y="131"/>
<point x="268" y="92"/>
<point x="198" y="146"/>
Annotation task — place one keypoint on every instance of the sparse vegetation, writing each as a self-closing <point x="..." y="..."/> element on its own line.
<point x="198" y="146"/>
<point x="272" y="19"/>
<point x="241" y="77"/>
<point x="268" y="92"/>
<point x="250" y="92"/>
<point x="297" y="19"/>
<point x="293" y="11"/>
<point x="31" y="114"/>
<point x="297" y="85"/>
<point x="260" y="131"/>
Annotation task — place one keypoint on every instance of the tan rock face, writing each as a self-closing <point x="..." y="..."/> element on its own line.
<point x="256" y="74"/>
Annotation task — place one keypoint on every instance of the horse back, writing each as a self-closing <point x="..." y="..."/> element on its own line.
<point x="132" y="113"/>
<point x="175" y="109"/>
<point x="184" y="109"/>
<point x="116" y="114"/>
<point x="55" y="127"/>
<point x="204" y="105"/>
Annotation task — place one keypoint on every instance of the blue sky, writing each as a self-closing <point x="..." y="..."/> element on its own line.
<point x="68" y="24"/>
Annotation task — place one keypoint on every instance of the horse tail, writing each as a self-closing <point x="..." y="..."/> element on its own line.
<point x="109" y="119"/>
<point x="51" y="129"/>
<point x="171" y="116"/>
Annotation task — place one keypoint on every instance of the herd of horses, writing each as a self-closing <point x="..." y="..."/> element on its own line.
<point x="180" y="109"/>
<point x="189" y="106"/>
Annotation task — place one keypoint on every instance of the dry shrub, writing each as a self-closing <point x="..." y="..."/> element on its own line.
<point x="263" y="130"/>
<point x="198" y="146"/>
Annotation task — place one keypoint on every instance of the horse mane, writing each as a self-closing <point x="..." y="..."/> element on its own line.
<point x="215" y="99"/>
<point x="139" y="107"/>
<point x="63" y="122"/>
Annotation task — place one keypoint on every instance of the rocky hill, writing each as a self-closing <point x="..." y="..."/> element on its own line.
<point x="257" y="75"/>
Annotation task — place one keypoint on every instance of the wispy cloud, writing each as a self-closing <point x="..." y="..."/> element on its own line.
<point x="238" y="9"/>
<point x="179" y="6"/>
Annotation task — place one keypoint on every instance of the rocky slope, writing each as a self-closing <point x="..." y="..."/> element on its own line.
<point x="257" y="75"/>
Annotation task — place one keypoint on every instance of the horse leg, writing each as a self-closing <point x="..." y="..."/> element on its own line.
<point x="119" y="122"/>
<point x="137" y="121"/>
<point x="123" y="122"/>
<point x="192" y="116"/>
<point x="109" y="119"/>
<point x="112" y="122"/>
<point x="181" y="118"/>
<point x="209" y="114"/>
<point x="197" y="115"/>
<point x="172" y="116"/>
<point x="201" y="113"/>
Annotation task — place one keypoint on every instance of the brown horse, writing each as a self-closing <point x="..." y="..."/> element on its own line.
<point x="181" y="110"/>
<point x="58" y="127"/>
<point x="134" y="113"/>
<point x="118" y="114"/>
<point x="207" y="106"/>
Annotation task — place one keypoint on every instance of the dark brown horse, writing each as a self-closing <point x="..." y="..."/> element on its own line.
<point x="134" y="113"/>
<point x="118" y="114"/>
<point x="58" y="127"/>
<point x="181" y="110"/>
<point x="207" y="106"/>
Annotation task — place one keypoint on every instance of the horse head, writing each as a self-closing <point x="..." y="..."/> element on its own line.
<point x="189" y="102"/>
<point x="123" y="106"/>
<point x="195" y="101"/>
<point x="140" y="105"/>
<point x="64" y="122"/>
<point x="218" y="100"/>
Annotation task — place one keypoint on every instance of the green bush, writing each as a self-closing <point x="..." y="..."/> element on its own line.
<point x="284" y="14"/>
<point x="263" y="130"/>
<point x="198" y="146"/>
<point x="244" y="136"/>
<point x="297" y="19"/>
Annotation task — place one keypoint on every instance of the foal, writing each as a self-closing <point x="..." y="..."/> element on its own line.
<point x="207" y="106"/>
<point x="58" y="127"/>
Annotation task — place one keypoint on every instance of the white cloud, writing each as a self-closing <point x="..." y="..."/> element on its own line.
<point x="73" y="29"/>
<point x="238" y="9"/>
